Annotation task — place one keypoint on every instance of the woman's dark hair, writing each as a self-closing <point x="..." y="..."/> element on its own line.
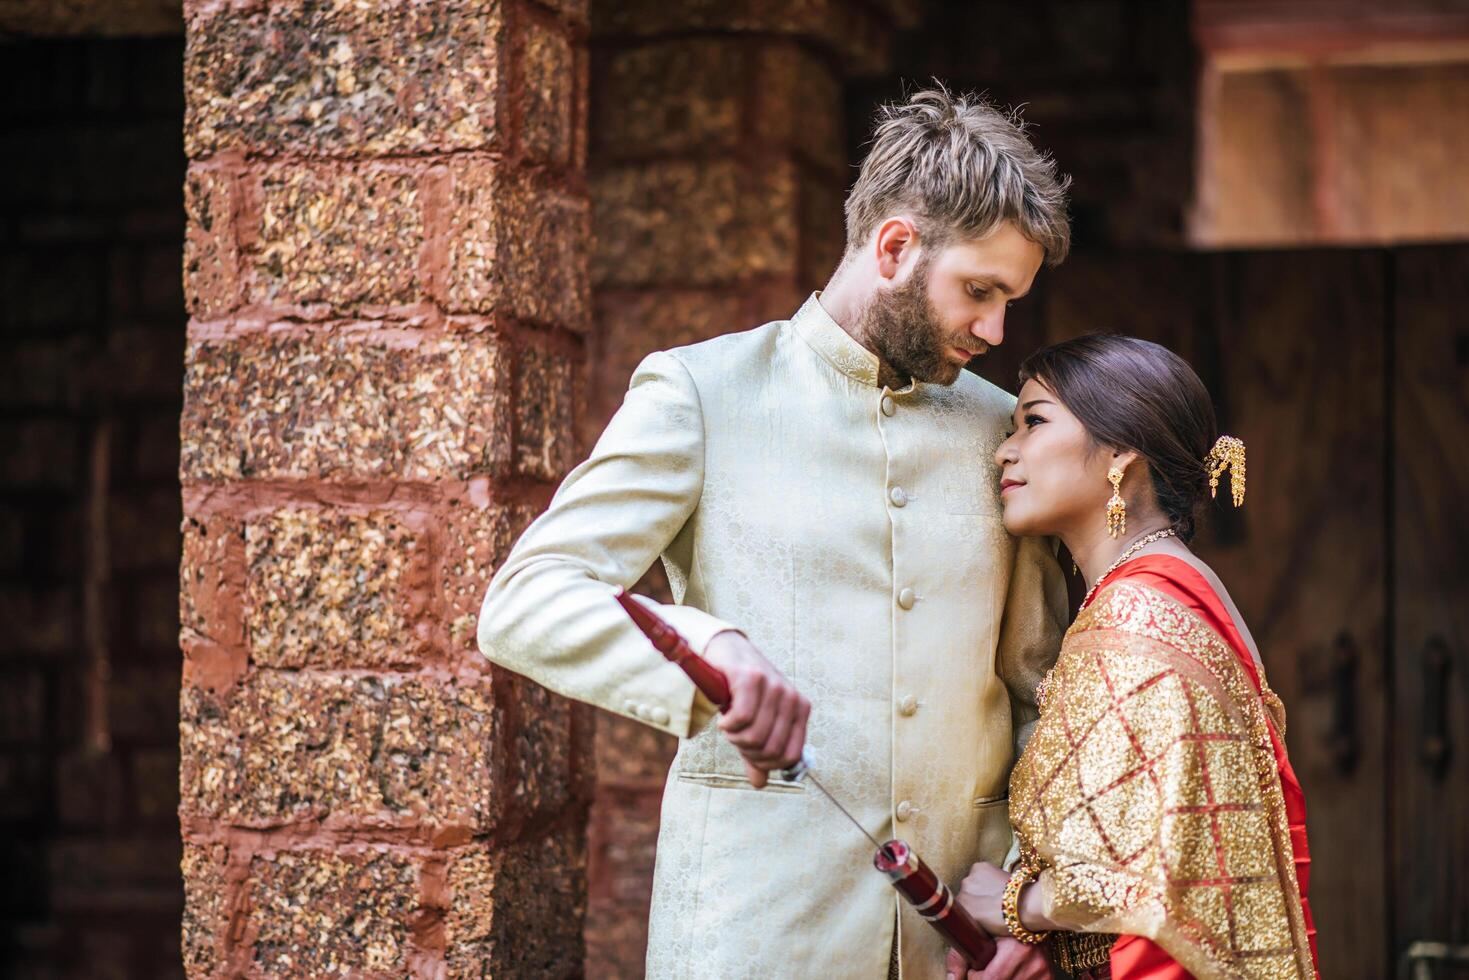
<point x="1132" y="394"/>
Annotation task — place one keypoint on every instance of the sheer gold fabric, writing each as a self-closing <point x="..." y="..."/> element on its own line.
<point x="1150" y="793"/>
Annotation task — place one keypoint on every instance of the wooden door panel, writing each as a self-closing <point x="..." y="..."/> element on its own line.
<point x="1300" y="376"/>
<point x="1431" y="586"/>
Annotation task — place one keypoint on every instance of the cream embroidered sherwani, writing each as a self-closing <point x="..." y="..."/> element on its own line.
<point x="853" y="534"/>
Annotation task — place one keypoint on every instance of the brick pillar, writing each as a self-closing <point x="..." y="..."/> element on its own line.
<point x="386" y="270"/>
<point x="718" y="169"/>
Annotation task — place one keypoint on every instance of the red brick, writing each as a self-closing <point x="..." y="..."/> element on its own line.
<point x="546" y="393"/>
<point x="518" y="912"/>
<point x="319" y="913"/>
<point x="211" y="253"/>
<point x="694" y="223"/>
<point x="346" y="237"/>
<point x="669" y="97"/>
<point x="513" y="244"/>
<point x="366" y="79"/>
<point x="359" y="751"/>
<point x="333" y="589"/>
<point x="477" y="536"/>
<point x="204" y="924"/>
<point x="545" y="94"/>
<point x="340" y="406"/>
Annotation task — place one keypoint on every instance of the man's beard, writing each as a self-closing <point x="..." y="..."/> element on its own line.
<point x="902" y="328"/>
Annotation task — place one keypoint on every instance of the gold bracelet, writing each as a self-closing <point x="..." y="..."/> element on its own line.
<point x="1023" y="875"/>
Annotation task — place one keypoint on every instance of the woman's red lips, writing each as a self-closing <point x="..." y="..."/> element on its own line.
<point x="1009" y="485"/>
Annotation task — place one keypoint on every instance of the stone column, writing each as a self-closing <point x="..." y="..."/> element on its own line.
<point x="386" y="271"/>
<point x="718" y="168"/>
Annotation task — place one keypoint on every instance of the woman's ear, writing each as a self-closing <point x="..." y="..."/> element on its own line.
<point x="1123" y="459"/>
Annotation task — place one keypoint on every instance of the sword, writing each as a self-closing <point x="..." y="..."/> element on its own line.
<point x="907" y="873"/>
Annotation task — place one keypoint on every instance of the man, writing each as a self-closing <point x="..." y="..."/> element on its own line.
<point x="821" y="493"/>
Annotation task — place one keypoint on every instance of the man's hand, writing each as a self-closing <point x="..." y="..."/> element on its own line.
<point x="1013" y="961"/>
<point x="766" y="719"/>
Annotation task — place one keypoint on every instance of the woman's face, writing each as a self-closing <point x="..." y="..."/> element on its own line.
<point x="1053" y="478"/>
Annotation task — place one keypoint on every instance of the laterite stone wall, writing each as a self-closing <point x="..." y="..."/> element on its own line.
<point x="386" y="270"/>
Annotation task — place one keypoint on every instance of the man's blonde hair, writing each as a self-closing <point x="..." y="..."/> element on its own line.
<point x="959" y="165"/>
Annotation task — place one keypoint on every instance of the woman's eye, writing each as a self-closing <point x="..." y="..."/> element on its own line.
<point x="1031" y="421"/>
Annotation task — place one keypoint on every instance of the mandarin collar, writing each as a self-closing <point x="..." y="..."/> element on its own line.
<point x="834" y="344"/>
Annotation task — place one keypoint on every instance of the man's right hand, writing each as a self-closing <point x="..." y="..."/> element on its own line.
<point x="766" y="718"/>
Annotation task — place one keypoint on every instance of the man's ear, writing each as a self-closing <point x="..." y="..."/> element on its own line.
<point x="895" y="237"/>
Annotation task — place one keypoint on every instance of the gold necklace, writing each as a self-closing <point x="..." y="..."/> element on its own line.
<point x="1167" y="532"/>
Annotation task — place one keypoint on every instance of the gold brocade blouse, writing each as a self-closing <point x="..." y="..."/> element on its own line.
<point x="1150" y="795"/>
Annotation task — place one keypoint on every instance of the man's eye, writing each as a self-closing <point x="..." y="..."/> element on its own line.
<point x="977" y="292"/>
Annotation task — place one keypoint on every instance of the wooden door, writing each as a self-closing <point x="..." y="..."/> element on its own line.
<point x="1429" y="887"/>
<point x="1301" y="378"/>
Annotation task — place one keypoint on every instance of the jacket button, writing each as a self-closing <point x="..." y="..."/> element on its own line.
<point x="906" y="598"/>
<point x="908" y="707"/>
<point x="888" y="405"/>
<point x="904" y="811"/>
<point x="897" y="496"/>
<point x="643" y="713"/>
<point x="658" y="716"/>
<point x="630" y="707"/>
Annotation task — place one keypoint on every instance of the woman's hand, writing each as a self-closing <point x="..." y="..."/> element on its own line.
<point x="980" y="895"/>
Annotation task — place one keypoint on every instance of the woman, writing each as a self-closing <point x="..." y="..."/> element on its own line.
<point x="1161" y="829"/>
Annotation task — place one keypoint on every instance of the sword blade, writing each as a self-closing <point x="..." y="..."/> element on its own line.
<point x="834" y="802"/>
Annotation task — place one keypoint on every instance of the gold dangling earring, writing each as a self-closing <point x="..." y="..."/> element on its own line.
<point x="1116" y="506"/>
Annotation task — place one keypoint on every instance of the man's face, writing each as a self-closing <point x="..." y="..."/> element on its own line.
<point x="951" y="306"/>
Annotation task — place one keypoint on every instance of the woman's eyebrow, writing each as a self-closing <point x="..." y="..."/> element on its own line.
<point x="1039" y="401"/>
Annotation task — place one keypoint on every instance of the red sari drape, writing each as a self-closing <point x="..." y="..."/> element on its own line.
<point x="1138" y="958"/>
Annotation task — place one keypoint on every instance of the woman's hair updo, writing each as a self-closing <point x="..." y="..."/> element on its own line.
<point x="1131" y="394"/>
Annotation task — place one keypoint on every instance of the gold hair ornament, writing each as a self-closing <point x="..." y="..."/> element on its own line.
<point x="1228" y="454"/>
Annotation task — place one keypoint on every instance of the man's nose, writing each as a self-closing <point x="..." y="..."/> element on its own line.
<point x="990" y="328"/>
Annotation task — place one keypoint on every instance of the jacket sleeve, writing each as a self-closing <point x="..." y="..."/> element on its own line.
<point x="1036" y="613"/>
<point x="549" y="611"/>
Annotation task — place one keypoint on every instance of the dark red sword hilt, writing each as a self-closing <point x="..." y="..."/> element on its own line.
<point x="666" y="640"/>
<point x="933" y="900"/>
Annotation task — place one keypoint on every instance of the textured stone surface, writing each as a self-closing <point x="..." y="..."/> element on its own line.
<point x="542" y="750"/>
<point x="341" y="590"/>
<point x="211" y="255"/>
<point x="849" y="29"/>
<point x="204" y="903"/>
<point x="546" y="396"/>
<point x="322" y="77"/>
<point x="518" y="913"/>
<point x="347" y="237"/>
<point x="669" y="97"/>
<point x="286" y="746"/>
<point x="344" y="406"/>
<point x="210" y="574"/>
<point x="515" y="245"/>
<point x="692" y="222"/>
<point x="799" y="104"/>
<point x="332" y="913"/>
<point x="476" y="539"/>
<point x="545" y="93"/>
